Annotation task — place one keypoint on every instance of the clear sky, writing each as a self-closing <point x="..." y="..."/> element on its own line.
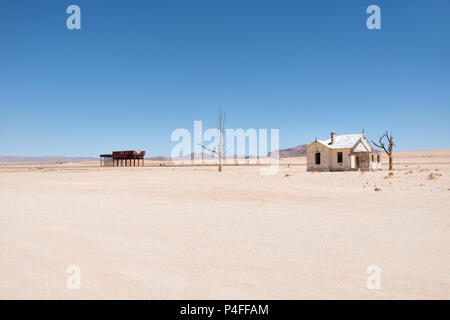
<point x="137" y="70"/>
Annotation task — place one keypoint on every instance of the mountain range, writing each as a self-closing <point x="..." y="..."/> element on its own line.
<point x="298" y="151"/>
<point x="45" y="159"/>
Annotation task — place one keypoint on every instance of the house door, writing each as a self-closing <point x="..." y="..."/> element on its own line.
<point x="357" y="162"/>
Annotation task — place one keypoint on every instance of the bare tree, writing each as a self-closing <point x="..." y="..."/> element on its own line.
<point x="390" y="145"/>
<point x="220" y="129"/>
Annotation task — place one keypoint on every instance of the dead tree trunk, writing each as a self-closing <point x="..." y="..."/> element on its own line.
<point x="390" y="146"/>
<point x="220" y="129"/>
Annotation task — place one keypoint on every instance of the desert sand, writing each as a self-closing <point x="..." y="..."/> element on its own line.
<point x="192" y="233"/>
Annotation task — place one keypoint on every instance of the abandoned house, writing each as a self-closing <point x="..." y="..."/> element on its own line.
<point x="341" y="153"/>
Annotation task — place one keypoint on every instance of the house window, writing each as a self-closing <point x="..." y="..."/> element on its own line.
<point x="372" y="158"/>
<point x="378" y="158"/>
<point x="317" y="157"/>
<point x="339" y="155"/>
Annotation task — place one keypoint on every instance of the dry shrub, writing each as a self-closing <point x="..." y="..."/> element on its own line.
<point x="377" y="189"/>
<point x="409" y="172"/>
<point x="433" y="176"/>
<point x="423" y="170"/>
<point x="287" y="175"/>
<point x="436" y="170"/>
<point x="390" y="175"/>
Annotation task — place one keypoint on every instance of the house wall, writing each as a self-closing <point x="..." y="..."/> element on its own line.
<point x="328" y="158"/>
<point x="364" y="161"/>
<point x="374" y="165"/>
<point x="324" y="157"/>
<point x="346" y="160"/>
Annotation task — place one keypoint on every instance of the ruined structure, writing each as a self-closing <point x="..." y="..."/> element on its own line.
<point x="122" y="158"/>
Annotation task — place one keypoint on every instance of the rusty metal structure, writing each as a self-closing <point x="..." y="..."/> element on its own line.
<point x="122" y="159"/>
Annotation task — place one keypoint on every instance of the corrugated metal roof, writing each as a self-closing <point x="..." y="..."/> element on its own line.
<point x="346" y="141"/>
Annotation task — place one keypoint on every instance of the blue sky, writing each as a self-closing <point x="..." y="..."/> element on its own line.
<point x="137" y="70"/>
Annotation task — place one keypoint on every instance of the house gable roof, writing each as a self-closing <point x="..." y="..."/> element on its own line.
<point x="360" y="146"/>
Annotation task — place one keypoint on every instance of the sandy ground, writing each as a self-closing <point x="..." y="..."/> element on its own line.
<point x="192" y="233"/>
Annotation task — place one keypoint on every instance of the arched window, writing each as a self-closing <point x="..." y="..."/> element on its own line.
<point x="317" y="157"/>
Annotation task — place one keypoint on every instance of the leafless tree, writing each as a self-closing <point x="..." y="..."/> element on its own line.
<point x="390" y="145"/>
<point x="220" y="128"/>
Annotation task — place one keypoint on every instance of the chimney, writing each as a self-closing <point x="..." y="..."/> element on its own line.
<point x="333" y="134"/>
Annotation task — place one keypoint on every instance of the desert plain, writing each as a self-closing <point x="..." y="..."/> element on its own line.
<point x="189" y="232"/>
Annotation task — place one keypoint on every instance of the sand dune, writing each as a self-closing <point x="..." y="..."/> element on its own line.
<point x="192" y="233"/>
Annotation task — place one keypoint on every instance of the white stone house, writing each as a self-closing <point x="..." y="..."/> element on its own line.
<point x="342" y="153"/>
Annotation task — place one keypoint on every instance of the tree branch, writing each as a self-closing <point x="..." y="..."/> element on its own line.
<point x="208" y="149"/>
<point x="381" y="145"/>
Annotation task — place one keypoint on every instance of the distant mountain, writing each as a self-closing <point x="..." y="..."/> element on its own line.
<point x="160" y="158"/>
<point x="206" y="156"/>
<point x="45" y="159"/>
<point x="298" y="151"/>
<point x="195" y="155"/>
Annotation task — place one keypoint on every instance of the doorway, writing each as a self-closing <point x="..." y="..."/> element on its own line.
<point x="357" y="162"/>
